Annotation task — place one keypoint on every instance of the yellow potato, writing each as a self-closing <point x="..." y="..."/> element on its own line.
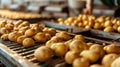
<point x="18" y="23"/>
<point x="112" y="48"/>
<point x="108" y="29"/>
<point x="108" y="59"/>
<point x="23" y="29"/>
<point x="48" y="36"/>
<point x="98" y="48"/>
<point x="4" y="31"/>
<point x="20" y="39"/>
<point x="4" y="37"/>
<point x="70" y="56"/>
<point x="28" y="42"/>
<point x="61" y="20"/>
<point x="51" y="31"/>
<point x="81" y="62"/>
<point x="107" y="23"/>
<point x="79" y="37"/>
<point x="40" y="37"/>
<point x="13" y="36"/>
<point x="78" y="45"/>
<point x="60" y="49"/>
<point x="118" y="29"/>
<point x="30" y="32"/>
<point x="116" y="62"/>
<point x="96" y="65"/>
<point x="43" y="53"/>
<point x="91" y="55"/>
<point x="63" y="35"/>
<point x="2" y="23"/>
<point x="9" y="26"/>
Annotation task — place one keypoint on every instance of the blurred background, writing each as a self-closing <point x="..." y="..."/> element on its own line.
<point x="55" y="8"/>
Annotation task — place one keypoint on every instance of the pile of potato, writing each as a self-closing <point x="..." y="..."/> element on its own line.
<point x="78" y="53"/>
<point x="25" y="33"/>
<point x="18" y="15"/>
<point x="106" y="24"/>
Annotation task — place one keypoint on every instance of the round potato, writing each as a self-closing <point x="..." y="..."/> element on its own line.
<point x="108" y="59"/>
<point x="60" y="49"/>
<point x="70" y="56"/>
<point x="4" y="37"/>
<point x="98" y="48"/>
<point x="78" y="45"/>
<point x="64" y="35"/>
<point x="30" y="32"/>
<point x="112" y="49"/>
<point x="4" y="31"/>
<point x="43" y="53"/>
<point x="116" y="62"/>
<point x="20" y="39"/>
<point x="40" y="37"/>
<point x="13" y="36"/>
<point x="81" y="62"/>
<point x="91" y="55"/>
<point x="18" y="23"/>
<point x="96" y="65"/>
<point x="79" y="37"/>
<point x="28" y="42"/>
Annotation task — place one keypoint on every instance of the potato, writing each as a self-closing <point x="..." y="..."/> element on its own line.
<point x="115" y="27"/>
<point x="51" y="31"/>
<point x="36" y="27"/>
<point x="68" y="42"/>
<point x="18" y="23"/>
<point x="116" y="62"/>
<point x="79" y="37"/>
<point x="40" y="37"/>
<point x="26" y="23"/>
<point x="48" y="36"/>
<point x="89" y="44"/>
<point x="108" y="29"/>
<point x="97" y="26"/>
<point x="9" y="26"/>
<point x="30" y="32"/>
<point x="96" y="65"/>
<point x="91" y="55"/>
<point x="4" y="37"/>
<point x="28" y="42"/>
<point x="56" y="38"/>
<point x="61" y="20"/>
<point x="108" y="59"/>
<point x="50" y="43"/>
<point x="23" y="29"/>
<point x="77" y="45"/>
<point x="23" y="24"/>
<point x="112" y="48"/>
<point x="81" y="62"/>
<point x="107" y="23"/>
<point x="118" y="29"/>
<point x="63" y="35"/>
<point x="60" y="49"/>
<point x="87" y="27"/>
<point x="70" y="56"/>
<point x="70" y="19"/>
<point x="20" y="39"/>
<point x="4" y="31"/>
<point x="98" y="48"/>
<point x="2" y="23"/>
<point x="80" y="24"/>
<point x="13" y="36"/>
<point x="43" y="53"/>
